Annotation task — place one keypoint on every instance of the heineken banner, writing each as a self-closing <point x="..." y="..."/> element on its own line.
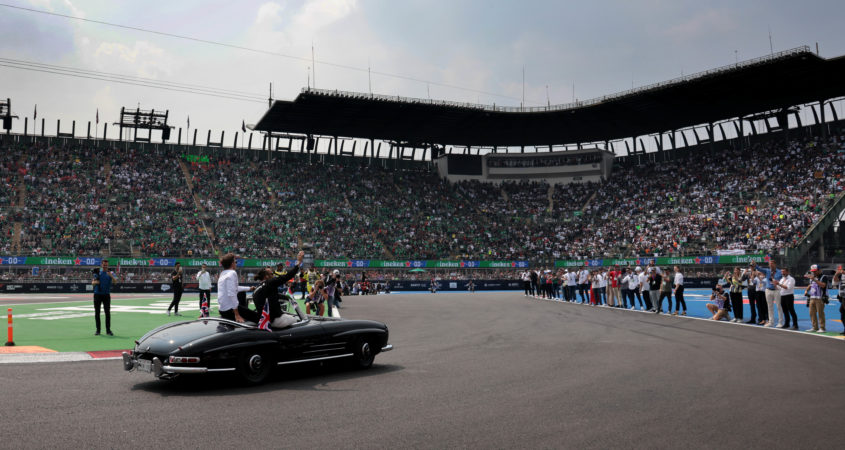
<point x="665" y="261"/>
<point x="211" y="262"/>
<point x="91" y="261"/>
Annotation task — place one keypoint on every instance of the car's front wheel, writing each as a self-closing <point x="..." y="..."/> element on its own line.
<point x="254" y="366"/>
<point x="363" y="352"/>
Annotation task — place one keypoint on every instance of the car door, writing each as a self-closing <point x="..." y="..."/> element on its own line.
<point x="300" y="342"/>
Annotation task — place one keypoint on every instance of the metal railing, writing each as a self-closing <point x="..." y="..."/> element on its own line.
<point x="565" y="106"/>
<point x="831" y="215"/>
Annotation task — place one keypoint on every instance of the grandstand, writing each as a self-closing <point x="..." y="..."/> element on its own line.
<point x="768" y="188"/>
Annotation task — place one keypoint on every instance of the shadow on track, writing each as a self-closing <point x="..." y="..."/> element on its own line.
<point x="304" y="377"/>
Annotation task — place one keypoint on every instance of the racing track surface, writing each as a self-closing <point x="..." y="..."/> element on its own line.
<point x="479" y="371"/>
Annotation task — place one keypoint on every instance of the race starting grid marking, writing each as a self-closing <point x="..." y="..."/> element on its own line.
<point x="70" y="312"/>
<point x="73" y="309"/>
<point x="87" y="310"/>
<point x="53" y="356"/>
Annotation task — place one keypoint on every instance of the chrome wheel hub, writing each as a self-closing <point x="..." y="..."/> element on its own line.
<point x="255" y="362"/>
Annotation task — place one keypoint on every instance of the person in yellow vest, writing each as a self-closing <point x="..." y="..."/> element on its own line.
<point x="311" y="278"/>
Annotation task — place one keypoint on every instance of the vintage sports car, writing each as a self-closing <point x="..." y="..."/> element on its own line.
<point x="218" y="345"/>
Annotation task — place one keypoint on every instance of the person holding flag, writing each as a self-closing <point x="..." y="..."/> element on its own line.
<point x="204" y="285"/>
<point x="266" y="295"/>
<point x="264" y="321"/>
<point x="204" y="312"/>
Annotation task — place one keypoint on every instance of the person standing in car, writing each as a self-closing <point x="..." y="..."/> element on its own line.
<point x="227" y="293"/>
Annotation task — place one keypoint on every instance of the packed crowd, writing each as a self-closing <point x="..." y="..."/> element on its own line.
<point x="81" y="200"/>
<point x="771" y="291"/>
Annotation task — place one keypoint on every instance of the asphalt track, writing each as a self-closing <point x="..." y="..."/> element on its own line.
<point x="469" y="371"/>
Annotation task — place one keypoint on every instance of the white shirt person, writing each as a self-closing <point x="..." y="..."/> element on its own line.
<point x="227" y="292"/>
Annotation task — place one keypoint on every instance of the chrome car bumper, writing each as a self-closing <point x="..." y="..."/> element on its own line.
<point x="158" y="369"/>
<point x="387" y="348"/>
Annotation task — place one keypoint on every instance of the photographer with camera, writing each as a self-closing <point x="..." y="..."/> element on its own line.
<point x="816" y="293"/>
<point x="839" y="282"/>
<point x="720" y="307"/>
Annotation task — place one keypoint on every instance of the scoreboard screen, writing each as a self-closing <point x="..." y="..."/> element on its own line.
<point x="465" y="165"/>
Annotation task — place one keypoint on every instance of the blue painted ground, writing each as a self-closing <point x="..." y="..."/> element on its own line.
<point x="696" y="299"/>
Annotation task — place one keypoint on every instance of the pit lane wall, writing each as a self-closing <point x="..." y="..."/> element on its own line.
<point x="395" y="286"/>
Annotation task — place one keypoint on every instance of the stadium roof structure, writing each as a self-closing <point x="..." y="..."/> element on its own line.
<point x="769" y="83"/>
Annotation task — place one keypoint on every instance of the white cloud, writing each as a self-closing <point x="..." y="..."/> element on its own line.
<point x="269" y="13"/>
<point x="73" y="9"/>
<point x="143" y="59"/>
<point x="316" y="14"/>
<point x="706" y="23"/>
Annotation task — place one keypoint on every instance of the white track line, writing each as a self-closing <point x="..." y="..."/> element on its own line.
<point x="51" y="357"/>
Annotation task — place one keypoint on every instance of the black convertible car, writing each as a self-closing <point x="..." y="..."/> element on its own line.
<point x="219" y="345"/>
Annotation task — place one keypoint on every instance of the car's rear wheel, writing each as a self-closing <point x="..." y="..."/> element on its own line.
<point x="363" y="352"/>
<point x="254" y="366"/>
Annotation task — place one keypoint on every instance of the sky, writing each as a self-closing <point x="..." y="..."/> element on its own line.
<point x="458" y="50"/>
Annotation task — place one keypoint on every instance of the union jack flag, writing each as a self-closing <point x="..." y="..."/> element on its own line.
<point x="264" y="323"/>
<point x="204" y="307"/>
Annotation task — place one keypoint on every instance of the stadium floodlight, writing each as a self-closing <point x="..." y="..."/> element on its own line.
<point x="150" y="120"/>
<point x="6" y="114"/>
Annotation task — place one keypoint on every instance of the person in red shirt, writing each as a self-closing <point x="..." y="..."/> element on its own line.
<point x="614" y="297"/>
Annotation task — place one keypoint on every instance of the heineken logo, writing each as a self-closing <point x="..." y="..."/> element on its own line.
<point x="334" y="263"/>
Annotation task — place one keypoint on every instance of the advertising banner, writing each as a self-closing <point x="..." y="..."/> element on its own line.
<point x="665" y="261"/>
<point x="253" y="262"/>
